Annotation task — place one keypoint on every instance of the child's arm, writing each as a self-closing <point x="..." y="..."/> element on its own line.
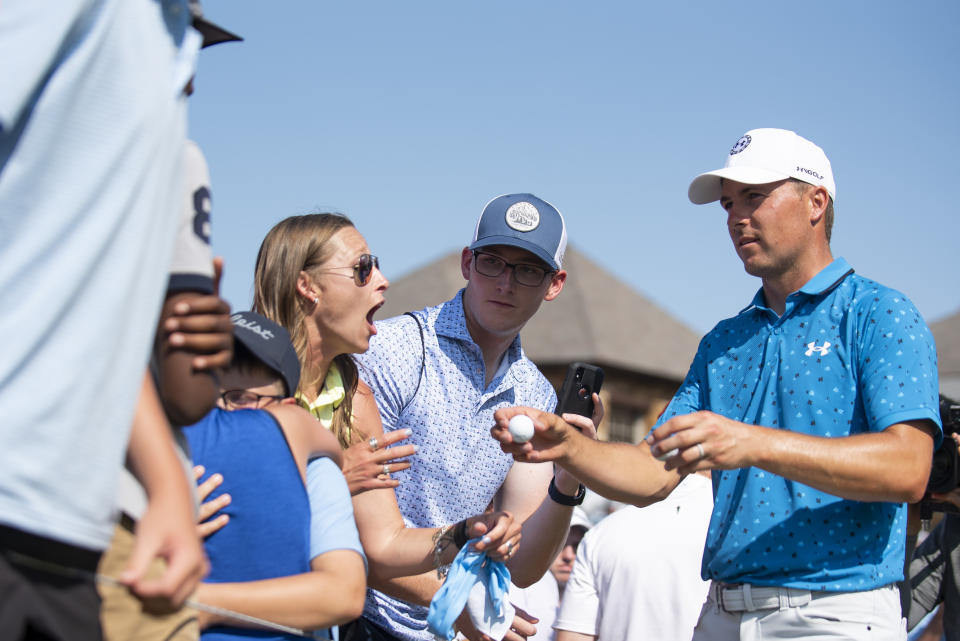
<point x="332" y="593"/>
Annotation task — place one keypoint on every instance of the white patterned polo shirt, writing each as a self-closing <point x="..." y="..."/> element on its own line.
<point x="458" y="467"/>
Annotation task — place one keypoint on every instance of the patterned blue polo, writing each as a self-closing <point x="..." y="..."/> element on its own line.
<point x="458" y="468"/>
<point x="848" y="356"/>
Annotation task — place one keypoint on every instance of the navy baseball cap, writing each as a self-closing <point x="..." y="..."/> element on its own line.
<point x="270" y="343"/>
<point x="524" y="221"/>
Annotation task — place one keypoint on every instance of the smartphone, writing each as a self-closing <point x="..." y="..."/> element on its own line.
<point x="576" y="395"/>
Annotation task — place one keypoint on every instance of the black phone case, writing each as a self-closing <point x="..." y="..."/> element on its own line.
<point x="582" y="380"/>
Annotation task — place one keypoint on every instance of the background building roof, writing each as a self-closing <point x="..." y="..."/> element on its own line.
<point x="597" y="318"/>
<point x="946" y="332"/>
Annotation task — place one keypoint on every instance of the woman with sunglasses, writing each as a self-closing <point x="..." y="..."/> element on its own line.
<point x="315" y="276"/>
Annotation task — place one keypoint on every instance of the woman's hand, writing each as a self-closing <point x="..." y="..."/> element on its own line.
<point x="367" y="465"/>
<point x="499" y="531"/>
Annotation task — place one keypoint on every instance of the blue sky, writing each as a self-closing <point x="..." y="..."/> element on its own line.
<point x="409" y="117"/>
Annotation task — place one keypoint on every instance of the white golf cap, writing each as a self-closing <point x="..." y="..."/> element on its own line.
<point x="764" y="156"/>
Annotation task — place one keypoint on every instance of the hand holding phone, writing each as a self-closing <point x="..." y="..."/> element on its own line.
<point x="583" y="380"/>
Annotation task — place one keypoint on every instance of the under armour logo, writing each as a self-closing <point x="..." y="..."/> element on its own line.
<point x="812" y="347"/>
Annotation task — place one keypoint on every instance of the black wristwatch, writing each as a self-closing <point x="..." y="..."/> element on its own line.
<point x="564" y="499"/>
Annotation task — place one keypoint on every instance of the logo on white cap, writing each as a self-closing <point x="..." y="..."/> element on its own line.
<point x="741" y="144"/>
<point x="523" y="216"/>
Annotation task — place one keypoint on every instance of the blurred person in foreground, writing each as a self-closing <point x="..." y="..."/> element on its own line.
<point x="194" y="339"/>
<point x="815" y="407"/>
<point x="92" y="129"/>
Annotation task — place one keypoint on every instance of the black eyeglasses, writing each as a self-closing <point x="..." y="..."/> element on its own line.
<point x="241" y="399"/>
<point x="524" y="273"/>
<point x="362" y="270"/>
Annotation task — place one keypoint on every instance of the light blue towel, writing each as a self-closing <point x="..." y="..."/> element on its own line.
<point x="468" y="569"/>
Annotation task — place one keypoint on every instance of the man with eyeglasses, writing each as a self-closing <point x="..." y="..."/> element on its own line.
<point x="443" y="376"/>
<point x="92" y="126"/>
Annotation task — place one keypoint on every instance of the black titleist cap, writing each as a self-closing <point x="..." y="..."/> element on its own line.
<point x="270" y="343"/>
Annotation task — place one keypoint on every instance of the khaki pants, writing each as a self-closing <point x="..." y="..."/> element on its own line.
<point x="123" y="616"/>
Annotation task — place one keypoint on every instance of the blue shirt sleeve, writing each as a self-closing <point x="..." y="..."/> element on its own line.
<point x="331" y="511"/>
<point x="897" y="362"/>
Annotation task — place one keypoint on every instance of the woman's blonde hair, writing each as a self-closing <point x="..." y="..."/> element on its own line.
<point x="296" y="244"/>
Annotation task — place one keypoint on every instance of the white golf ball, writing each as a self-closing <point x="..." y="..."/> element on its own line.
<point x="521" y="428"/>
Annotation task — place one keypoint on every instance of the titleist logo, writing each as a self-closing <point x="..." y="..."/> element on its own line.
<point x="253" y="326"/>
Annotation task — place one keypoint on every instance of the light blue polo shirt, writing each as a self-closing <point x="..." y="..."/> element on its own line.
<point x="92" y="131"/>
<point x="847" y="356"/>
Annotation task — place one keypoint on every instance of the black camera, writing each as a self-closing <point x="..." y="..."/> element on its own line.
<point x="945" y="470"/>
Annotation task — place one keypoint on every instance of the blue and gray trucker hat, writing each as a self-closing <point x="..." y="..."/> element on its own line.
<point x="270" y="343"/>
<point x="524" y="221"/>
